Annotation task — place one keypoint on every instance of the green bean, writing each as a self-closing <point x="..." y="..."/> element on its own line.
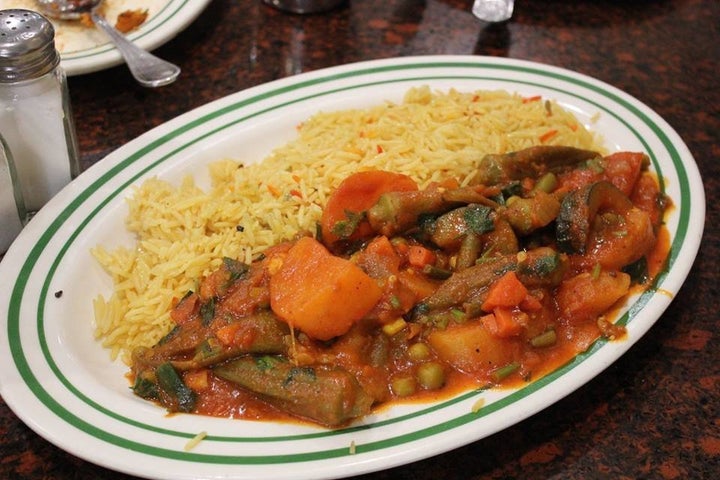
<point x="545" y="339"/>
<point x="436" y="272"/>
<point x="502" y="373"/>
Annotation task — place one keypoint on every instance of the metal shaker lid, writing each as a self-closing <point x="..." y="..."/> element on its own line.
<point x="27" y="45"/>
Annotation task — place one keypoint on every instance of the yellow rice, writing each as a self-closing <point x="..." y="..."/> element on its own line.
<point x="184" y="232"/>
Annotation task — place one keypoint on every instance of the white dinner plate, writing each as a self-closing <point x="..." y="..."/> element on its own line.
<point x="86" y="49"/>
<point x="60" y="382"/>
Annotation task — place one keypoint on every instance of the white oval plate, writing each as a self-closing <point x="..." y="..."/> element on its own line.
<point x="59" y="381"/>
<point x="86" y="50"/>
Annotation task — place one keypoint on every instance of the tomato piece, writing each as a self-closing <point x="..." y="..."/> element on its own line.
<point x="342" y="218"/>
<point x="622" y="169"/>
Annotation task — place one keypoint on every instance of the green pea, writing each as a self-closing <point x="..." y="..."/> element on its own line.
<point x="403" y="386"/>
<point x="547" y="183"/>
<point x="431" y="375"/>
<point x="418" y="351"/>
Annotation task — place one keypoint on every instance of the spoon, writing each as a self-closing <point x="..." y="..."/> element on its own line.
<point x="148" y="70"/>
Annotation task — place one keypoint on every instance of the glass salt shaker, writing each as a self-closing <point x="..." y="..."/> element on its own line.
<point x="35" y="116"/>
<point x="493" y="10"/>
<point x="12" y="206"/>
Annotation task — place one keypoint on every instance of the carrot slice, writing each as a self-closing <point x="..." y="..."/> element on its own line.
<point x="547" y="135"/>
<point x="419" y="256"/>
<point x="319" y="293"/>
<point x="502" y="323"/>
<point x="507" y="291"/>
<point x="382" y="247"/>
<point x="342" y="216"/>
<point x="379" y="259"/>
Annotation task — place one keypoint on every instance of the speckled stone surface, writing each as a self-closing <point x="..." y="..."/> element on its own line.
<point x="655" y="413"/>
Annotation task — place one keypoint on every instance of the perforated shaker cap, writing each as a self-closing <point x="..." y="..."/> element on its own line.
<point x="27" y="46"/>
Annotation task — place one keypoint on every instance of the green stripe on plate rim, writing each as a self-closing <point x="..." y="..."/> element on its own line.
<point x="149" y="28"/>
<point x="67" y="416"/>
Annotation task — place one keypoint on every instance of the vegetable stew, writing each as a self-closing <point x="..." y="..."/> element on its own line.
<point x="406" y="293"/>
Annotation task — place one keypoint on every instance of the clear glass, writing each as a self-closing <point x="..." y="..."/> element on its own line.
<point x="493" y="10"/>
<point x="73" y="152"/>
<point x="39" y="109"/>
<point x="12" y="206"/>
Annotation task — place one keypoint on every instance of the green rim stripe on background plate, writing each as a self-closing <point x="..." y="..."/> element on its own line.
<point x="27" y="268"/>
<point x="142" y="32"/>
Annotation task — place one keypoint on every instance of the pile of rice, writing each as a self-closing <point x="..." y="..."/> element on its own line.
<point x="184" y="232"/>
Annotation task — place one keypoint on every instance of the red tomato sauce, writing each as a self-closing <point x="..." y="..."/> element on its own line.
<point x="417" y="295"/>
